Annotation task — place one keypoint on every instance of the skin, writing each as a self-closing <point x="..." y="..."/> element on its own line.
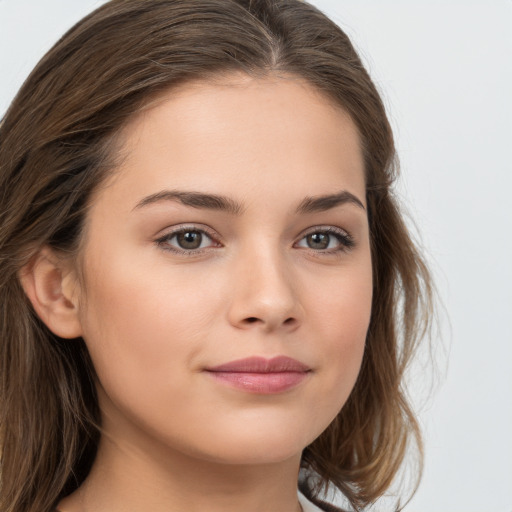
<point x="174" y="438"/>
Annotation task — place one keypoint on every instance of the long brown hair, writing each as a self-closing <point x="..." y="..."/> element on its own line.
<point x="57" y="144"/>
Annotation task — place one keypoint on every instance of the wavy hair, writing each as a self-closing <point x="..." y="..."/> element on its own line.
<point x="58" y="143"/>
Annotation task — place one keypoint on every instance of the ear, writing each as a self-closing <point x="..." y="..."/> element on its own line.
<point x="52" y="288"/>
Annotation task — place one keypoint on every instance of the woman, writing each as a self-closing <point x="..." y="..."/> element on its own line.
<point x="206" y="283"/>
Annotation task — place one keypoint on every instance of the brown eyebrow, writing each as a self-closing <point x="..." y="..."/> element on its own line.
<point x="195" y="200"/>
<point x="222" y="203"/>
<point x="323" y="203"/>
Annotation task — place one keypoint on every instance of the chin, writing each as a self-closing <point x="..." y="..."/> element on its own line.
<point x="254" y="455"/>
<point x="256" y="446"/>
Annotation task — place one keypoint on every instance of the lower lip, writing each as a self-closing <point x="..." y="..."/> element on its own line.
<point x="262" y="383"/>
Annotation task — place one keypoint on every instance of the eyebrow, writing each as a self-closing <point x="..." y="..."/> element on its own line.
<point x="324" y="203"/>
<point x="195" y="200"/>
<point x="201" y="200"/>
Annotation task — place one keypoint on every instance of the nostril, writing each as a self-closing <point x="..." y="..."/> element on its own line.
<point x="290" y="321"/>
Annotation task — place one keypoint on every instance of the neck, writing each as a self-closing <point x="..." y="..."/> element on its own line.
<point x="124" y="478"/>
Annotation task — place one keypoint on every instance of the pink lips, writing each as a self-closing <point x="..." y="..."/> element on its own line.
<point x="260" y="375"/>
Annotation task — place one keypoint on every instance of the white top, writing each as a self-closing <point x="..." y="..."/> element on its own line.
<point x="306" y="505"/>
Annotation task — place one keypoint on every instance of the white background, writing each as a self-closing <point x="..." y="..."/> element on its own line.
<point x="444" y="69"/>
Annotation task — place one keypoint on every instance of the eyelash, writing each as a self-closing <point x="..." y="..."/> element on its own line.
<point x="163" y="241"/>
<point x="346" y="242"/>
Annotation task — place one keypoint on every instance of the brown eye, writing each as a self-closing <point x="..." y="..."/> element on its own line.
<point x="186" y="241"/>
<point x="327" y="240"/>
<point x="318" y="240"/>
<point x="189" y="239"/>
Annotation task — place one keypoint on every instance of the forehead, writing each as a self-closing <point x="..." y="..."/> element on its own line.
<point x="236" y="129"/>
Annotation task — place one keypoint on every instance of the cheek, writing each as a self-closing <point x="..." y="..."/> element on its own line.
<point x="343" y="315"/>
<point x="145" y="316"/>
<point x="142" y="323"/>
<point x="144" y="336"/>
<point x="343" y="303"/>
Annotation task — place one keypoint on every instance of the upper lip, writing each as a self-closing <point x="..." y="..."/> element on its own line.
<point x="277" y="364"/>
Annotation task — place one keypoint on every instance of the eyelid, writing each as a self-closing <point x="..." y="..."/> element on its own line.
<point x="325" y="228"/>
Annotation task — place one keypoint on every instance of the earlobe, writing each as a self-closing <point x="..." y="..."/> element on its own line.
<point x="52" y="290"/>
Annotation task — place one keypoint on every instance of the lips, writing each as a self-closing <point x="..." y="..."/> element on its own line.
<point x="260" y="375"/>
<point x="261" y="365"/>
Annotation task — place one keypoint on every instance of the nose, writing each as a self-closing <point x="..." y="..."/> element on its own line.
<point x="264" y="295"/>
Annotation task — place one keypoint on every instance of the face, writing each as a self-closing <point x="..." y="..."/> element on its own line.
<point x="234" y="228"/>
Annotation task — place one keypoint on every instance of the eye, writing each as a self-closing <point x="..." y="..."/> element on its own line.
<point x="329" y="240"/>
<point x="186" y="240"/>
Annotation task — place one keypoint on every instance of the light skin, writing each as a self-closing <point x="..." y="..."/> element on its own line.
<point x="280" y="265"/>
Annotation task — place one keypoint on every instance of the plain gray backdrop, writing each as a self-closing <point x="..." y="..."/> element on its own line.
<point x="444" y="69"/>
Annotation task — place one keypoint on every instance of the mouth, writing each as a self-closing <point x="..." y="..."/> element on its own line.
<point x="260" y="375"/>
